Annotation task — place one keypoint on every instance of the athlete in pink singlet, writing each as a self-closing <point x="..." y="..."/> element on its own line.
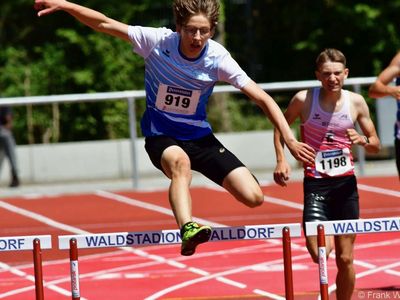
<point x="326" y="132"/>
<point x="327" y="116"/>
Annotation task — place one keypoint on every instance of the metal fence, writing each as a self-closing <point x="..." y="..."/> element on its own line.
<point x="355" y="84"/>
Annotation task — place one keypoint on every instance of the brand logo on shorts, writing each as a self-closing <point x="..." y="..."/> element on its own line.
<point x="221" y="150"/>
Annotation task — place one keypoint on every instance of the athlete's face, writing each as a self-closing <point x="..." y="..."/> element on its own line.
<point x="194" y="35"/>
<point x="332" y="75"/>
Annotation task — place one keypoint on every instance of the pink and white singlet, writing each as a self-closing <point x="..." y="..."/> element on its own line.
<point x="326" y="133"/>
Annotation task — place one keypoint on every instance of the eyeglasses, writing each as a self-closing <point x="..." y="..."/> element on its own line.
<point x="191" y="30"/>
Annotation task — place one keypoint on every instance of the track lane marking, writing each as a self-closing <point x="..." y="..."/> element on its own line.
<point x="378" y="190"/>
<point x="157" y="208"/>
<point x="288" y="203"/>
<point x="371" y="271"/>
<point x="149" y="206"/>
<point x="273" y="200"/>
<point x="76" y="230"/>
<point x="47" y="221"/>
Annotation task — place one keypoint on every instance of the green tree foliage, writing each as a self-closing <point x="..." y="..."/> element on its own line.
<point x="279" y="40"/>
<point x="272" y="40"/>
<point x="57" y="55"/>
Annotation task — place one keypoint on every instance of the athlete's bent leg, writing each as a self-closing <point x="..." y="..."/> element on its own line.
<point x="176" y="166"/>
<point x="244" y="187"/>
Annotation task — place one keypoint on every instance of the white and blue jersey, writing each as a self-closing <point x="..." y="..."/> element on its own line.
<point x="178" y="88"/>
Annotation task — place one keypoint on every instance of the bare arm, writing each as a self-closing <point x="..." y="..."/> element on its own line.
<point x="370" y="139"/>
<point x="299" y="150"/>
<point x="87" y="16"/>
<point x="293" y="111"/>
<point x="381" y="87"/>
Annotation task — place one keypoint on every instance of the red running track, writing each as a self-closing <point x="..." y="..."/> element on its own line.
<point x="228" y="270"/>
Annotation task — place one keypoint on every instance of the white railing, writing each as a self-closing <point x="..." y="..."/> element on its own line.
<point x="131" y="96"/>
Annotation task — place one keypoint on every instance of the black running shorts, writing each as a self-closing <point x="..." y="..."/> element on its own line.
<point x="207" y="155"/>
<point x="329" y="199"/>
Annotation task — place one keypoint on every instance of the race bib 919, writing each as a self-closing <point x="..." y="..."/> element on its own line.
<point x="333" y="162"/>
<point x="177" y="100"/>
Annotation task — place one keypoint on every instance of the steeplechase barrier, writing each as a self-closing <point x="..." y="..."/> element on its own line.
<point x="167" y="237"/>
<point x="358" y="226"/>
<point x="36" y="244"/>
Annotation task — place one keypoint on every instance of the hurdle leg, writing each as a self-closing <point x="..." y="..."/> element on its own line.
<point x="287" y="263"/>
<point x="322" y="263"/>
<point x="74" y="267"/>
<point x="37" y="264"/>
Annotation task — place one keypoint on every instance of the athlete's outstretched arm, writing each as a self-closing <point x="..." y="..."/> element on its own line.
<point x="381" y="87"/>
<point x="87" y="16"/>
<point x="300" y="151"/>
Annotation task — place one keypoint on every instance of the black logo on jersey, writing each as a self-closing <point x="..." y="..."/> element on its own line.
<point x="343" y="117"/>
<point x="316" y="117"/>
<point x="166" y="52"/>
<point x="329" y="136"/>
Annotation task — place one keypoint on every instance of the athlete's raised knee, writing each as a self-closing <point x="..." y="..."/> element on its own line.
<point x="257" y="199"/>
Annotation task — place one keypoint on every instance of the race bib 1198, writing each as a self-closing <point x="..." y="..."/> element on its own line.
<point x="333" y="162"/>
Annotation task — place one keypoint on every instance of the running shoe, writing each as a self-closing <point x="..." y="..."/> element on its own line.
<point x="192" y="235"/>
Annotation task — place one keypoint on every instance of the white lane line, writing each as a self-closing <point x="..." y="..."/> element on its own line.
<point x="282" y="202"/>
<point x="231" y="282"/>
<point x="269" y="295"/>
<point x="163" y="210"/>
<point x="137" y="203"/>
<point x="28" y="277"/>
<point x="378" y="190"/>
<point x="75" y="230"/>
<point x="199" y="271"/>
<point x="273" y="200"/>
<point x="41" y="218"/>
<point x="378" y="269"/>
<point x="372" y="270"/>
<point x="47" y="221"/>
<point x="209" y="277"/>
<point x="172" y="262"/>
<point x="149" y="206"/>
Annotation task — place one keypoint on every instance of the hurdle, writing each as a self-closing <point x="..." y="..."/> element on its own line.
<point x="167" y="237"/>
<point x="357" y="226"/>
<point x="36" y="244"/>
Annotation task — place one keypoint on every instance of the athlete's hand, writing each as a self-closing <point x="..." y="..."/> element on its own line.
<point x="355" y="137"/>
<point x="302" y="152"/>
<point x="281" y="173"/>
<point x="396" y="93"/>
<point x="45" y="7"/>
